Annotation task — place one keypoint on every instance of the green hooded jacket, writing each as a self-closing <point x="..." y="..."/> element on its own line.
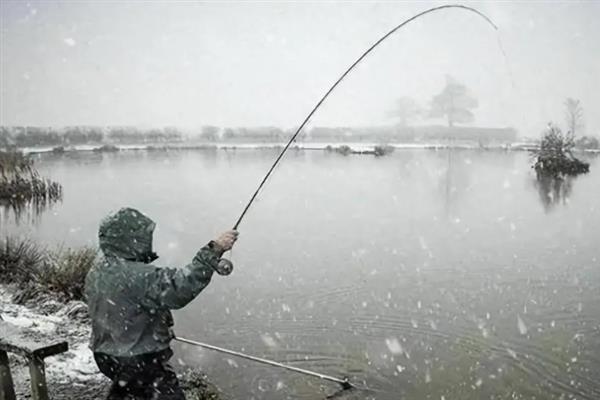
<point x="129" y="299"/>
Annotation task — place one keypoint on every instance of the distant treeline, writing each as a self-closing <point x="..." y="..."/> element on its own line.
<point x="25" y="136"/>
<point x="415" y="134"/>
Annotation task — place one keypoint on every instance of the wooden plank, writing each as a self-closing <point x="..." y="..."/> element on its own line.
<point x="28" y="343"/>
<point x="37" y="371"/>
<point x="7" y="389"/>
<point x="51" y="350"/>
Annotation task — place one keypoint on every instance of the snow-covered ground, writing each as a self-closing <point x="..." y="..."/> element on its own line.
<point x="77" y="364"/>
<point x="73" y="375"/>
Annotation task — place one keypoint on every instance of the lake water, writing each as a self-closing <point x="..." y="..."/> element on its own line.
<point x="422" y="275"/>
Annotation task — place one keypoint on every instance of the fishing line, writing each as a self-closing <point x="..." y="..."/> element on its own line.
<point x="506" y="63"/>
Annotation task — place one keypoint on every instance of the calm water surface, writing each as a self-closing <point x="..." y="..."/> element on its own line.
<point x="422" y="275"/>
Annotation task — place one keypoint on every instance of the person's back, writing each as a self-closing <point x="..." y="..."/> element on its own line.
<point x="130" y="300"/>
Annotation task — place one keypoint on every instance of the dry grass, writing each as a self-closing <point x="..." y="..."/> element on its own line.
<point x="18" y="260"/>
<point x="60" y="271"/>
<point x="65" y="271"/>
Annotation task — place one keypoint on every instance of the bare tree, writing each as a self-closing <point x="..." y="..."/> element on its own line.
<point x="210" y="133"/>
<point x="454" y="103"/>
<point x="406" y="109"/>
<point x="573" y="115"/>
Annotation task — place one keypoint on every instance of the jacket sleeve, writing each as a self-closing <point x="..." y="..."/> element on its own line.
<point x="174" y="288"/>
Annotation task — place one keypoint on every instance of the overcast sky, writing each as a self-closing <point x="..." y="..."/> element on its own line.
<point x="267" y="63"/>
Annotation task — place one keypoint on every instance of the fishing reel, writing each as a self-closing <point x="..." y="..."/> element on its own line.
<point x="224" y="267"/>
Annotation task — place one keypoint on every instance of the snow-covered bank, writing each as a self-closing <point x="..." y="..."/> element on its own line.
<point x="73" y="374"/>
<point x="66" y="373"/>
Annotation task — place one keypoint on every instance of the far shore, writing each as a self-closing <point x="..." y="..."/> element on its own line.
<point x="355" y="147"/>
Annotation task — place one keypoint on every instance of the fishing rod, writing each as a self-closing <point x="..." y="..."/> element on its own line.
<point x="225" y="267"/>
<point x="340" y="79"/>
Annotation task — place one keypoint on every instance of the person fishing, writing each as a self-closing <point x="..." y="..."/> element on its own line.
<point x="129" y="302"/>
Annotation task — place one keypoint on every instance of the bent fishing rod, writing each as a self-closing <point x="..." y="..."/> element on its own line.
<point x="340" y="79"/>
<point x="226" y="266"/>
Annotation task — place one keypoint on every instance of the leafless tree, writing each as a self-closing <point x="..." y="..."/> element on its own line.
<point x="573" y="115"/>
<point x="405" y="110"/>
<point x="454" y="103"/>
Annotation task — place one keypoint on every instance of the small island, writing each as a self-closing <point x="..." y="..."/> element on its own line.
<point x="555" y="159"/>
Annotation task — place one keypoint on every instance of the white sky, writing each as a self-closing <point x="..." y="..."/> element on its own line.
<point x="267" y="63"/>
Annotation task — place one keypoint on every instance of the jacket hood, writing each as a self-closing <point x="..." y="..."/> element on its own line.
<point x="127" y="234"/>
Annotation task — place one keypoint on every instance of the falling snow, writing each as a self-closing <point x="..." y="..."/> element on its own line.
<point x="394" y="346"/>
<point x="521" y="325"/>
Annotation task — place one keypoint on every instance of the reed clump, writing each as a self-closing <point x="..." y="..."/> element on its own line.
<point x="107" y="148"/>
<point x="20" y="182"/>
<point x="383" y="150"/>
<point x="343" y="149"/>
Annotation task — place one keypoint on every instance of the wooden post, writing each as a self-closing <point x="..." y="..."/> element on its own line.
<point x="7" y="390"/>
<point x="37" y="371"/>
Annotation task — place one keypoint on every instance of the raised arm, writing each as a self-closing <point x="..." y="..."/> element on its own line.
<point x="174" y="288"/>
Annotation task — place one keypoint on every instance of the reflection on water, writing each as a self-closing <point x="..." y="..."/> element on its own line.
<point x="455" y="180"/>
<point x="27" y="212"/>
<point x="554" y="191"/>
<point x="421" y="274"/>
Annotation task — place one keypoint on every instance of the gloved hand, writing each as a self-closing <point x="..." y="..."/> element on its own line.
<point x="222" y="244"/>
<point x="226" y="240"/>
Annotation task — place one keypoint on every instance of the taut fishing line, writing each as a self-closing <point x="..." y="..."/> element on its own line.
<point x="225" y="266"/>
